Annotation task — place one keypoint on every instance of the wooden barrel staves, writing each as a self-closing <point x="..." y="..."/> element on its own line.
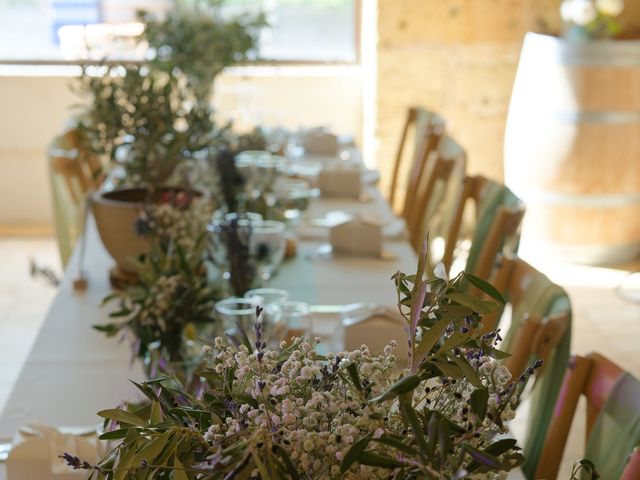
<point x="572" y="147"/>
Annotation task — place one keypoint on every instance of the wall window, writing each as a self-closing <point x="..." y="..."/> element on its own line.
<point x="300" y="30"/>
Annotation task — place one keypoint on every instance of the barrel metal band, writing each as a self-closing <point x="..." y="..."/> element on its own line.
<point x="611" y="117"/>
<point x="610" y="200"/>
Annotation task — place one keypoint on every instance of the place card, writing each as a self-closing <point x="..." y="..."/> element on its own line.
<point x="340" y="181"/>
<point x="320" y="141"/>
<point x="376" y="327"/>
<point x="357" y="237"/>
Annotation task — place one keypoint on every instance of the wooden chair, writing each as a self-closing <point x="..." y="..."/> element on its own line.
<point x="439" y="185"/>
<point x="75" y="172"/>
<point x="498" y="215"/>
<point x="425" y="125"/>
<point x="632" y="469"/>
<point x="540" y="329"/>
<point x="605" y="386"/>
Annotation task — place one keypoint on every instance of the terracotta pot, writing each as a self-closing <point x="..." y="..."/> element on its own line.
<point x="116" y="213"/>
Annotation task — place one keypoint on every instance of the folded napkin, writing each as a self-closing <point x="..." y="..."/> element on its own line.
<point x="394" y="229"/>
<point x="340" y="180"/>
<point x="36" y="449"/>
<point x="320" y="141"/>
<point x="357" y="237"/>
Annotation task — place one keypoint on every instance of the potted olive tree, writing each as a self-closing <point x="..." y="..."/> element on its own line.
<point x="149" y="119"/>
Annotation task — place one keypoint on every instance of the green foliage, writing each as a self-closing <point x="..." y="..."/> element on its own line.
<point x="195" y="40"/>
<point x="169" y="308"/>
<point x="144" y="120"/>
<point x="152" y="118"/>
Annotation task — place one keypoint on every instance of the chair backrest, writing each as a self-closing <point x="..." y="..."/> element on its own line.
<point x="613" y="418"/>
<point x="540" y="329"/>
<point x="432" y="209"/>
<point x="74" y="173"/>
<point x="632" y="469"/>
<point x="498" y="215"/>
<point x="421" y="121"/>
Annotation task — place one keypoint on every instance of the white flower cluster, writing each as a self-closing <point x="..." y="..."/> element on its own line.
<point x="157" y="303"/>
<point x="584" y="12"/>
<point x="183" y="225"/>
<point x="310" y="405"/>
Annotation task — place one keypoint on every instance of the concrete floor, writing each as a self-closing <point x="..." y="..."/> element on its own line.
<point x="603" y="321"/>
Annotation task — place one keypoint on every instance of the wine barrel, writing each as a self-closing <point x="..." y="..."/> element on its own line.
<point x="572" y="147"/>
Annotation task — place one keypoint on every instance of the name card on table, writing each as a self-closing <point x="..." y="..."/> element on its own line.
<point x="340" y="181"/>
<point x="35" y="454"/>
<point x="357" y="237"/>
<point x="376" y="327"/>
<point x="319" y="141"/>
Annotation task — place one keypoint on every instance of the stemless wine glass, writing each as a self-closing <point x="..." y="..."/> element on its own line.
<point x="268" y="298"/>
<point x="237" y="313"/>
<point x="229" y="237"/>
<point x="293" y="196"/>
<point x="291" y="320"/>
<point x="267" y="246"/>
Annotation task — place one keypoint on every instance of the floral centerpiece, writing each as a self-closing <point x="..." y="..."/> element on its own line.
<point x="587" y="19"/>
<point x="293" y="413"/>
<point x="172" y="302"/>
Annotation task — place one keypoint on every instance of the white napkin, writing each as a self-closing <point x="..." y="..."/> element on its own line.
<point x="340" y="180"/>
<point x="357" y="237"/>
<point x="35" y="452"/>
<point x="320" y="141"/>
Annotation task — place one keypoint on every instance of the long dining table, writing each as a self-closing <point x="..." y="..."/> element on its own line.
<point x="74" y="371"/>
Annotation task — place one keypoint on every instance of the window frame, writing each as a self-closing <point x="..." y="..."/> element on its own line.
<point x="357" y="43"/>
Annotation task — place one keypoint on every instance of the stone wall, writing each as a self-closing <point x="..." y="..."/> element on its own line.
<point x="459" y="58"/>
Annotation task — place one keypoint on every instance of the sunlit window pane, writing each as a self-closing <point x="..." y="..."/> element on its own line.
<point x="304" y="30"/>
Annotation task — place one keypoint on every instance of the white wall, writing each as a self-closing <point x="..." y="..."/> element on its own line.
<point x="35" y="104"/>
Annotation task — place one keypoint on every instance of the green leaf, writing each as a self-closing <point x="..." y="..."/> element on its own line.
<point x="485" y="287"/>
<point x="402" y="386"/>
<point x="284" y="456"/>
<point x="481" y="459"/>
<point x="501" y="446"/>
<point x="178" y="470"/>
<point x="430" y="338"/>
<point x="468" y="371"/>
<point x="448" y="369"/>
<point x="373" y="459"/>
<point x="122" y="417"/>
<point x="477" y="305"/>
<point x="352" y="369"/>
<point x="397" y="443"/>
<point x="478" y="401"/>
<point x="115" y="434"/>
<point x="414" y="422"/>
<point x="444" y="441"/>
<point x="452" y="342"/>
<point x="354" y="452"/>
<point x="111" y="329"/>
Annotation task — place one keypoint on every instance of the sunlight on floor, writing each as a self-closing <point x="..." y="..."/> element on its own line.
<point x="24" y="301"/>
